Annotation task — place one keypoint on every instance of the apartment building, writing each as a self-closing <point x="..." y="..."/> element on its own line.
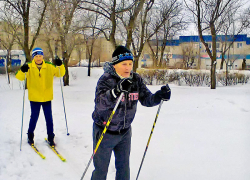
<point x="189" y="52"/>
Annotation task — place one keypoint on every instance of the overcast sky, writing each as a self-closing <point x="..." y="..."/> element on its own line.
<point x="192" y="29"/>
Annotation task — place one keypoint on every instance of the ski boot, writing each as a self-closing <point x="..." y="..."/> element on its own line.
<point x="31" y="138"/>
<point x="51" y="139"/>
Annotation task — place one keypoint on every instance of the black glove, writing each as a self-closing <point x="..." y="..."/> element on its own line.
<point x="163" y="94"/>
<point x="124" y="85"/>
<point x="25" y="68"/>
<point x="58" y="61"/>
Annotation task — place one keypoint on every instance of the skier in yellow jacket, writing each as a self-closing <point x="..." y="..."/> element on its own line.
<point x="39" y="75"/>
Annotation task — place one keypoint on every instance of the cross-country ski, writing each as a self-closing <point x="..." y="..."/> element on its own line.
<point x="53" y="148"/>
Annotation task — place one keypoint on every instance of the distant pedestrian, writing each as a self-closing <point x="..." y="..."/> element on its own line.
<point x="118" y="78"/>
<point x="244" y="64"/>
<point x="40" y="75"/>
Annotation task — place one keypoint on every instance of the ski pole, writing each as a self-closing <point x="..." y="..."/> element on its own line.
<point x="159" y="108"/>
<point x="103" y="133"/>
<point x="22" y="113"/>
<point x="63" y="103"/>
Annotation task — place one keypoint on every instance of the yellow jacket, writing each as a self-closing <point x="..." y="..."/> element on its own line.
<point x="40" y="83"/>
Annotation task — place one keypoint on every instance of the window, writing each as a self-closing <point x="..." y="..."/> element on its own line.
<point x="239" y="45"/>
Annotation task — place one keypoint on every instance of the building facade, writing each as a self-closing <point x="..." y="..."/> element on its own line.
<point x="189" y="52"/>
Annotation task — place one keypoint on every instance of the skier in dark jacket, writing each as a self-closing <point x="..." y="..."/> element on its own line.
<point x="117" y="78"/>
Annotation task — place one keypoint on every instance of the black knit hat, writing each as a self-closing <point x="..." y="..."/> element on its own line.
<point x="120" y="54"/>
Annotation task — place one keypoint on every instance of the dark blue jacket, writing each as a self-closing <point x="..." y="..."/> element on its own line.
<point x="105" y="102"/>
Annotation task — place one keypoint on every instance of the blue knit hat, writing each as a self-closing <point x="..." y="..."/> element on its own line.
<point x="120" y="54"/>
<point x="37" y="51"/>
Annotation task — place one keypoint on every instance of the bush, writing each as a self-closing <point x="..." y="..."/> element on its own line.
<point x="191" y="77"/>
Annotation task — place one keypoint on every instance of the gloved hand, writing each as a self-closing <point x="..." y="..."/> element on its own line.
<point x="163" y="94"/>
<point x="124" y="85"/>
<point x="25" y="68"/>
<point x="58" y="61"/>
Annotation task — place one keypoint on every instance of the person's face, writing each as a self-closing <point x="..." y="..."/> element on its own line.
<point x="124" y="68"/>
<point x="38" y="59"/>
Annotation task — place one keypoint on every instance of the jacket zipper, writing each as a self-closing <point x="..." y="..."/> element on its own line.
<point x="124" y="119"/>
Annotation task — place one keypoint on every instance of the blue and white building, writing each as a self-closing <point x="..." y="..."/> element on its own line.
<point x="178" y="51"/>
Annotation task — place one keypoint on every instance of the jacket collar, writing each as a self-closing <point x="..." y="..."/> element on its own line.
<point x="33" y="64"/>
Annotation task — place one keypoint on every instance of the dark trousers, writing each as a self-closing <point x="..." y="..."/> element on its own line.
<point x="120" y="144"/>
<point x="35" y="110"/>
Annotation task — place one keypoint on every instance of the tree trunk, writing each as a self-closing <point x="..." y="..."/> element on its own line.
<point x="199" y="56"/>
<point x="226" y="74"/>
<point x="213" y="59"/>
<point x="89" y="65"/>
<point x="162" y="64"/>
<point x="136" y="61"/>
<point x="66" y="76"/>
<point x="244" y="64"/>
<point x="26" y="10"/>
<point x="131" y="24"/>
<point x="213" y="74"/>
<point x="113" y="30"/>
<point x="50" y="49"/>
<point x="8" y="64"/>
<point x="222" y="60"/>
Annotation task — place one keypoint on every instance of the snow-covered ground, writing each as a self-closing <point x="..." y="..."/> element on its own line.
<point x="201" y="134"/>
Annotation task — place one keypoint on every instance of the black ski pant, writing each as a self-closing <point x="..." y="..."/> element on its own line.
<point x="120" y="144"/>
<point x="35" y="111"/>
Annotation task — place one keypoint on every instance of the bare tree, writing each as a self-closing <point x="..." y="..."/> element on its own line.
<point x="209" y="17"/>
<point x="80" y="42"/>
<point x="7" y="42"/>
<point x="109" y="10"/>
<point x="235" y="24"/>
<point x="158" y="20"/>
<point x="128" y="13"/>
<point x="189" y="55"/>
<point x="133" y="14"/>
<point x="91" y="34"/>
<point x="63" y="15"/>
<point x="50" y="36"/>
<point x="22" y="10"/>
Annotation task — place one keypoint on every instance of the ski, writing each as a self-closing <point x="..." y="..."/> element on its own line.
<point x="37" y="151"/>
<point x="55" y="151"/>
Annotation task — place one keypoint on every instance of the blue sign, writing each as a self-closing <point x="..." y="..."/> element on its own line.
<point x="2" y="62"/>
<point x="14" y="62"/>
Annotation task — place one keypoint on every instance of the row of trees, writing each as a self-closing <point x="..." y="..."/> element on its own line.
<point x="136" y="22"/>
<point x="217" y="17"/>
<point x="133" y="21"/>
